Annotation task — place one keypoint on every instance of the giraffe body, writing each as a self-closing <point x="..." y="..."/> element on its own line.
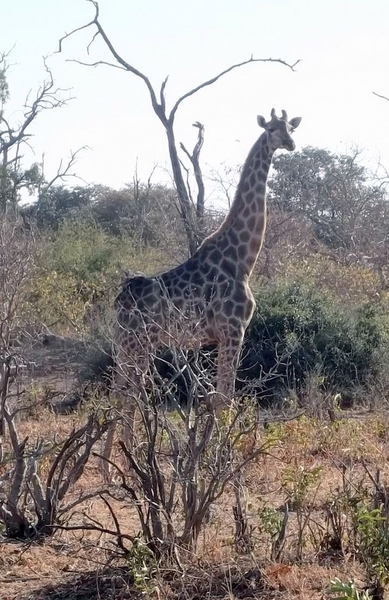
<point x="207" y="299"/>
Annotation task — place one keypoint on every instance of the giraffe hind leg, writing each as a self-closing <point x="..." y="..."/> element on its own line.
<point x="127" y="383"/>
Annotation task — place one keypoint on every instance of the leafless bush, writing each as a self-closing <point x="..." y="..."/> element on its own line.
<point x="35" y="475"/>
<point x="17" y="261"/>
<point x="31" y="501"/>
<point x="180" y="460"/>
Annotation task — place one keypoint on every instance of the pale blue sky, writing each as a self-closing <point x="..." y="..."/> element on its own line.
<point x="343" y="46"/>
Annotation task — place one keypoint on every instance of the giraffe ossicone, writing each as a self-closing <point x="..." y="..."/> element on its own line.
<point x="207" y="299"/>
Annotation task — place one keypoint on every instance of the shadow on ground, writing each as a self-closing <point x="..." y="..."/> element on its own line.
<point x="196" y="584"/>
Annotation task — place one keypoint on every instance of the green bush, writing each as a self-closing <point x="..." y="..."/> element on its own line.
<point x="84" y="251"/>
<point x="298" y="331"/>
<point x="80" y="268"/>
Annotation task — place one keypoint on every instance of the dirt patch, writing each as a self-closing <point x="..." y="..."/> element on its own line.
<point x="52" y="369"/>
<point x="47" y="358"/>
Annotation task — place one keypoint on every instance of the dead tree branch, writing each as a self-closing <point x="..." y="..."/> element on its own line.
<point x="62" y="171"/>
<point x="191" y="215"/>
<point x="195" y="160"/>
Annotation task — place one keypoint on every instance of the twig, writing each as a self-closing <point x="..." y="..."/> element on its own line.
<point x="381" y="96"/>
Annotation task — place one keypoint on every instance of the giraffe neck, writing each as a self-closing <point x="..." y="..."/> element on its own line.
<point x="243" y="229"/>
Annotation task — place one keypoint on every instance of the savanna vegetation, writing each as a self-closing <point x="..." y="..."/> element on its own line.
<point x="285" y="496"/>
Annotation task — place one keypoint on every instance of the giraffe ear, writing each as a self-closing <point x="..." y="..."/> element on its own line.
<point x="261" y="121"/>
<point x="295" y="122"/>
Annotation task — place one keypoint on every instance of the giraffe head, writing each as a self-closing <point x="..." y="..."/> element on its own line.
<point x="279" y="130"/>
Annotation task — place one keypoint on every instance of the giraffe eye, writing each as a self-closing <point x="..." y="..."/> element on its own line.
<point x="271" y="130"/>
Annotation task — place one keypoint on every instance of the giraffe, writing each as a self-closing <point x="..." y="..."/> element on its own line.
<point x="207" y="299"/>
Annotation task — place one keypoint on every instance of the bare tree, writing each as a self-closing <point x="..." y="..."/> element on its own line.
<point x="191" y="212"/>
<point x="15" y="136"/>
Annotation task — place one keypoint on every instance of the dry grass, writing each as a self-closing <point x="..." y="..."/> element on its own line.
<point x="75" y="563"/>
